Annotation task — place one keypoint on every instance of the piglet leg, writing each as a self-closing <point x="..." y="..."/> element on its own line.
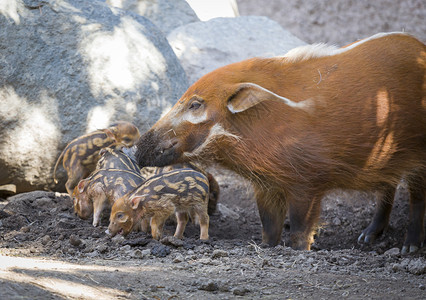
<point x="157" y="223"/>
<point x="98" y="206"/>
<point x="182" y="220"/>
<point x="204" y="226"/>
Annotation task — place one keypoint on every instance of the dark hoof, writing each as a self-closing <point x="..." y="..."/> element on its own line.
<point x="366" y="238"/>
<point x="264" y="245"/>
<point x="409" y="249"/>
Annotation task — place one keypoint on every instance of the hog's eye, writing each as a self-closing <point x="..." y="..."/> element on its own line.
<point x="127" y="140"/>
<point x="195" y="105"/>
<point x="120" y="216"/>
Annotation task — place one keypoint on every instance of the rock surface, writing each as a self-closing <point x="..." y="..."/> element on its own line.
<point x="205" y="46"/>
<point x="69" y="67"/>
<point x="341" y="22"/>
<point x="166" y="15"/>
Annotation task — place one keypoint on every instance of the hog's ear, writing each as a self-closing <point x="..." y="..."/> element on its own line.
<point x="247" y="95"/>
<point x="81" y="186"/>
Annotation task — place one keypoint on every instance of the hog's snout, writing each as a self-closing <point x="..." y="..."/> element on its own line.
<point x="154" y="149"/>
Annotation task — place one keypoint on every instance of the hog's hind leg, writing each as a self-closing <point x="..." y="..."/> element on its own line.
<point x="381" y="216"/>
<point x="415" y="231"/>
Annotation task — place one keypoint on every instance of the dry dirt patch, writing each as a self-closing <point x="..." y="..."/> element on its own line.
<point x="49" y="253"/>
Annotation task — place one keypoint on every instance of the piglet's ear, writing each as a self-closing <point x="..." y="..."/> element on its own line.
<point x="247" y="95"/>
<point x="111" y="133"/>
<point x="81" y="186"/>
<point x="134" y="202"/>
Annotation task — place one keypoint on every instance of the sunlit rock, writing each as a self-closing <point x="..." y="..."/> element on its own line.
<point x="70" y="67"/>
<point x="165" y="14"/>
<point x="204" y="46"/>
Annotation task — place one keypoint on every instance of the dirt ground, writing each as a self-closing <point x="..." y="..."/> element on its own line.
<point x="46" y="252"/>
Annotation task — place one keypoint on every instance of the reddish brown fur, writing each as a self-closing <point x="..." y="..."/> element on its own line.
<point x="357" y="121"/>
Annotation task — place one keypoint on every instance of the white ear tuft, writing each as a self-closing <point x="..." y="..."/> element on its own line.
<point x="247" y="95"/>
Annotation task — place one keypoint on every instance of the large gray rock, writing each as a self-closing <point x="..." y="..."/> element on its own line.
<point x="166" y="14"/>
<point x="205" y="46"/>
<point x="70" y="67"/>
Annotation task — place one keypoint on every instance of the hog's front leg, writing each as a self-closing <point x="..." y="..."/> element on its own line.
<point x="272" y="211"/>
<point x="304" y="213"/>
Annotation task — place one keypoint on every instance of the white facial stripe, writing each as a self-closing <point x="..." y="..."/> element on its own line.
<point x="321" y="50"/>
<point x="216" y="131"/>
<point x="188" y="116"/>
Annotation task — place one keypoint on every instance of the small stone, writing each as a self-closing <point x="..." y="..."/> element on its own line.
<point x="118" y="239"/>
<point x="178" y="259"/>
<point x="137" y="242"/>
<point x="392" y="252"/>
<point x="102" y="248"/>
<point x="422" y="287"/>
<point x="160" y="250"/>
<point x="137" y="254"/>
<point x="209" y="286"/>
<point x="205" y="261"/>
<point x="153" y="288"/>
<point x="240" y="291"/>
<point x="172" y="241"/>
<point x="219" y="253"/>
<point x="46" y="239"/>
<point x="25" y="229"/>
<point x="75" y="240"/>
<point x="92" y="254"/>
<point x="146" y="252"/>
<point x="417" y="267"/>
<point x="126" y="248"/>
<point x="336" y="221"/>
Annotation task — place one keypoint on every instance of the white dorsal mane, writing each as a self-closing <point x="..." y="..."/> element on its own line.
<point x="320" y="50"/>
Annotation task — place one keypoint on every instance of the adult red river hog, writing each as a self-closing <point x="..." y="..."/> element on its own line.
<point x="300" y="125"/>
